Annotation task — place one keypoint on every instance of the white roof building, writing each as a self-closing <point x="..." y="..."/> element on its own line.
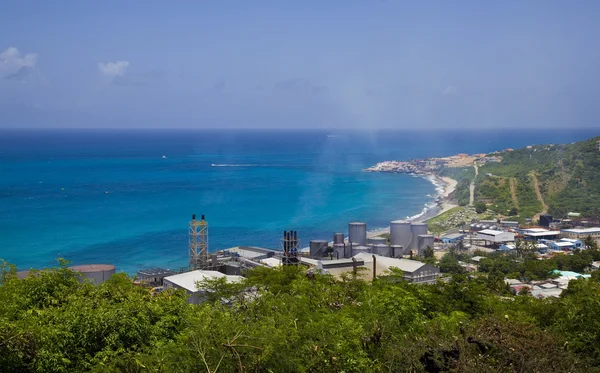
<point x="189" y="281"/>
<point x="495" y="236"/>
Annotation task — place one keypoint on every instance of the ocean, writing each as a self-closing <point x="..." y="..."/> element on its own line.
<point x="125" y="197"/>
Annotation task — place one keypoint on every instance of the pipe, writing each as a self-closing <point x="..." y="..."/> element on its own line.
<point x="354" y="265"/>
<point x="374" y="267"/>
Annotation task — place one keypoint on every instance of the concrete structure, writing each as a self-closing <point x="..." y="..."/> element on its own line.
<point x="357" y="233"/>
<point x="381" y="249"/>
<point x="453" y="238"/>
<point x="189" y="282"/>
<point x="581" y="233"/>
<point x="494" y="236"/>
<point x="97" y="273"/>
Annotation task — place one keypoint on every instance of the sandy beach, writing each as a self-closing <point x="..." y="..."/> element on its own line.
<point x="445" y="187"/>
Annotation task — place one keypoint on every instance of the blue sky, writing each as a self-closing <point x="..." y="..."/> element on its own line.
<point x="299" y="64"/>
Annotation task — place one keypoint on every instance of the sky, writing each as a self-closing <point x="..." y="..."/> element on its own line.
<point x="299" y="64"/>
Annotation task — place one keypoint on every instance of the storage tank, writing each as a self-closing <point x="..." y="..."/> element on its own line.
<point x="317" y="247"/>
<point x="418" y="229"/>
<point x="338" y="238"/>
<point x="97" y="273"/>
<point x="423" y="241"/>
<point x="396" y="251"/>
<point x="400" y="233"/>
<point x="360" y="249"/>
<point x="338" y="251"/>
<point x="357" y="233"/>
<point x="381" y="249"/>
<point x="378" y="241"/>
<point x="348" y="251"/>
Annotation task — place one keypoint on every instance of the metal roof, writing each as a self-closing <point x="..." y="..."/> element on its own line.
<point x="541" y="234"/>
<point x="405" y="265"/>
<point x="188" y="280"/>
<point x="453" y="236"/>
<point x="491" y="232"/>
<point x="582" y="230"/>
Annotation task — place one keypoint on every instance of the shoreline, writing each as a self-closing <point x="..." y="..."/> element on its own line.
<point x="444" y="187"/>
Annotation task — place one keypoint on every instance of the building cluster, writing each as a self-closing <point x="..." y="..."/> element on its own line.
<point x="365" y="255"/>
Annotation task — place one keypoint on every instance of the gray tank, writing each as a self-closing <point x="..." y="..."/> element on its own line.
<point x="338" y="251"/>
<point x="348" y="251"/>
<point x="97" y="273"/>
<point x="317" y="247"/>
<point x="357" y="233"/>
<point x="360" y="249"/>
<point x="396" y="251"/>
<point x="378" y="241"/>
<point x="381" y="249"/>
<point x="400" y="233"/>
<point x="424" y="240"/>
<point x="418" y="229"/>
<point x="338" y="238"/>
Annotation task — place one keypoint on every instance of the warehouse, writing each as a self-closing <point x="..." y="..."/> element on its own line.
<point x="494" y="237"/>
<point x="453" y="238"/>
<point x="189" y="281"/>
<point x="581" y="233"/>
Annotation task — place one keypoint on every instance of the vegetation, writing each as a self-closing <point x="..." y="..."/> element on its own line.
<point x="568" y="177"/>
<point x="284" y="320"/>
<point x="463" y="176"/>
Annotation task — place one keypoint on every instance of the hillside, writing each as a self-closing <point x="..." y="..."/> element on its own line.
<point x="542" y="178"/>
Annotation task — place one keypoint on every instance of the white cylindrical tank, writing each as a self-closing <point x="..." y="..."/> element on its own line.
<point x="417" y="229"/>
<point x="338" y="251"/>
<point x="400" y="233"/>
<point x="380" y="249"/>
<point x="97" y="273"/>
<point x="378" y="241"/>
<point x="317" y="247"/>
<point x="360" y="249"/>
<point x="357" y="233"/>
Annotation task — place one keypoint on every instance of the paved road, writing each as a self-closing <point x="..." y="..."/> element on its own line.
<point x="472" y="187"/>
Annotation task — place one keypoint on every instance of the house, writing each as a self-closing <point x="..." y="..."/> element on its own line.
<point x="190" y="281"/>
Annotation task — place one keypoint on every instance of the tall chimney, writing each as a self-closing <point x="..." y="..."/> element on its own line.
<point x="374" y="267"/>
<point x="193" y="216"/>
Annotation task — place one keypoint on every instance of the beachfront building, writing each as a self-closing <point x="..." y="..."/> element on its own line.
<point x="581" y="233"/>
<point x="495" y="237"/>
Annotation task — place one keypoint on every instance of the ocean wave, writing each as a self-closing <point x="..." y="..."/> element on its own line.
<point x="238" y="165"/>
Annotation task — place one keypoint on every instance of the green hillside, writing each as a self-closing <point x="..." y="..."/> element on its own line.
<point x="567" y="178"/>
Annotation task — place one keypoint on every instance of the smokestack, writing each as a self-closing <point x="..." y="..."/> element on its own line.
<point x="374" y="267"/>
<point x="285" y="247"/>
<point x="202" y="217"/>
<point x="193" y="216"/>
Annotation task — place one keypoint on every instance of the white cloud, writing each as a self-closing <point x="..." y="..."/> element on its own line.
<point x="450" y="90"/>
<point x="113" y="69"/>
<point x="13" y="64"/>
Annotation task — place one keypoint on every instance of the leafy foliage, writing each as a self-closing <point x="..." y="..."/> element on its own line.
<point x="284" y="320"/>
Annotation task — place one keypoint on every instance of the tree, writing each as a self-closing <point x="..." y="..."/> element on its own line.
<point x="480" y="207"/>
<point x="428" y="252"/>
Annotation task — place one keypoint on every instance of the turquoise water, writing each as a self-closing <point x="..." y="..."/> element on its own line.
<point x="111" y="197"/>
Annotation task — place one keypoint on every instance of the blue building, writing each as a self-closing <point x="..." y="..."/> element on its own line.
<point x="453" y="238"/>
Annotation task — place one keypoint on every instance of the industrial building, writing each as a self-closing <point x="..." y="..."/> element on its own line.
<point x="495" y="237"/>
<point x="369" y="266"/>
<point x="453" y="238"/>
<point x="581" y="233"/>
<point x="189" y="281"/>
<point x="534" y="234"/>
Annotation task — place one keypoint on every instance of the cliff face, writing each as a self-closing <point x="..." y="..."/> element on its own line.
<point x="544" y="178"/>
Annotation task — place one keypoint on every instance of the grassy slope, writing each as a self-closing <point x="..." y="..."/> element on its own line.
<point x="568" y="175"/>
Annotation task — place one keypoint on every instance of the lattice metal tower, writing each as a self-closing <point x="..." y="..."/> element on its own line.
<point x="198" y="243"/>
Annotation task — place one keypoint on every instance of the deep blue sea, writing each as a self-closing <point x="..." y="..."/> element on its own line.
<point x="109" y="196"/>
